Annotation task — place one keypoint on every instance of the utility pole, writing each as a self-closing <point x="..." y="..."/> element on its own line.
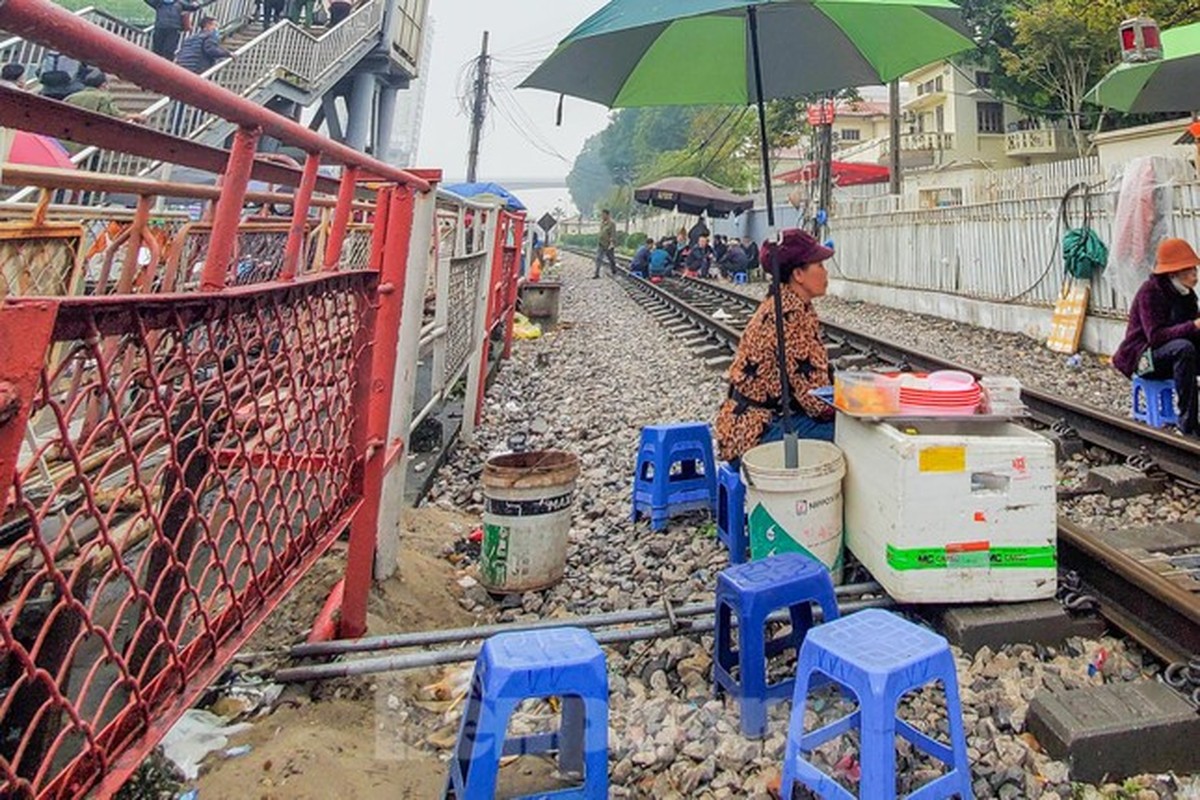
<point x="894" y="120"/>
<point x="479" y="109"/>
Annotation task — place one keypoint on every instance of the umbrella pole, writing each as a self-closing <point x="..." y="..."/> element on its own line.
<point x="791" y="453"/>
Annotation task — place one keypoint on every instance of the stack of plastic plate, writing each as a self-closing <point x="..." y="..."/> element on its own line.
<point x="945" y="393"/>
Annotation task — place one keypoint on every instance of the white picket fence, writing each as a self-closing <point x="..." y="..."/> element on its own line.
<point x="1003" y="244"/>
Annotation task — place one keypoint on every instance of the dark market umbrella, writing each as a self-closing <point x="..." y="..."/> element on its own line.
<point x="692" y="196"/>
<point x="1169" y="84"/>
<point x="486" y="189"/>
<point x="710" y="52"/>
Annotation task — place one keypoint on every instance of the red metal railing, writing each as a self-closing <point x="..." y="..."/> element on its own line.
<point x="503" y="273"/>
<point x="182" y="462"/>
<point x="179" y="447"/>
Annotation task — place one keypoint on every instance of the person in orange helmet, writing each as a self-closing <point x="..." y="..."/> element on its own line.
<point x="1163" y="335"/>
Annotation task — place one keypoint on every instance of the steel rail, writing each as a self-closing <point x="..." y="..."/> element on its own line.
<point x="725" y="333"/>
<point x="1161" y="616"/>
<point x="44" y="22"/>
<point x="1175" y="455"/>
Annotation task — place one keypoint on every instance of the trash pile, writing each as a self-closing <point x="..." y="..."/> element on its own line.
<point x="524" y="329"/>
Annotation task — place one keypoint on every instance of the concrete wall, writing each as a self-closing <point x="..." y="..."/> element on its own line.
<point x="1100" y="334"/>
<point x="1118" y="147"/>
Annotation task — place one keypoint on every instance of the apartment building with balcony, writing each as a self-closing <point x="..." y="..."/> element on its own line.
<point x="952" y="120"/>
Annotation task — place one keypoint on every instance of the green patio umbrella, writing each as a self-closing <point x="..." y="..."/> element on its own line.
<point x="723" y="52"/>
<point x="1170" y="84"/>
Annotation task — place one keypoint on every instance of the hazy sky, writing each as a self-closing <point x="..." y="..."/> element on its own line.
<point x="523" y="32"/>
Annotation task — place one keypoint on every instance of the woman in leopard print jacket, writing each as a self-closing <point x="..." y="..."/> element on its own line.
<point x="752" y="413"/>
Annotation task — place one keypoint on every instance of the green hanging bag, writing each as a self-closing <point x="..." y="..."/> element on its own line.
<point x="1084" y="255"/>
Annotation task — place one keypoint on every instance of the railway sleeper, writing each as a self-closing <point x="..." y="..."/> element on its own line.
<point x="1119" y="481"/>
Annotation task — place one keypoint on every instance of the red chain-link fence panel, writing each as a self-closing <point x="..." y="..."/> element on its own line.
<point x="169" y="467"/>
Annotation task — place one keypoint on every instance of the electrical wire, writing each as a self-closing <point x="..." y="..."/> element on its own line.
<point x="1041" y="112"/>
<point x="1060" y="221"/>
<point x="698" y="151"/>
<point x="720" y="148"/>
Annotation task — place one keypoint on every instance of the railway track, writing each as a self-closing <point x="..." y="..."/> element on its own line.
<point x="1145" y="582"/>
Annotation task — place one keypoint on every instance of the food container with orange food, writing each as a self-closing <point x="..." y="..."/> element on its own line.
<point x="866" y="393"/>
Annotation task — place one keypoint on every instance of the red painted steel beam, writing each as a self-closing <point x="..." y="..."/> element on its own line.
<point x="137" y="229"/>
<point x="325" y="626"/>
<point x="30" y="112"/>
<point x="25" y="334"/>
<point x="53" y="178"/>
<point x="360" y="556"/>
<point x="341" y="219"/>
<point x="222" y="243"/>
<point x="44" y="22"/>
<point x="294" y="247"/>
<point x="513" y="280"/>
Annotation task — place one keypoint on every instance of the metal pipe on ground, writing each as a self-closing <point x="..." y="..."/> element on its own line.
<point x="394" y="641"/>
<point x="406" y="661"/>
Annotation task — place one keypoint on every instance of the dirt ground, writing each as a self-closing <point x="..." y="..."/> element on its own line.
<point x="348" y="733"/>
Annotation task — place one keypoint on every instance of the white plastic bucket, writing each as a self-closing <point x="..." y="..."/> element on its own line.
<point x="526" y="519"/>
<point x="796" y="510"/>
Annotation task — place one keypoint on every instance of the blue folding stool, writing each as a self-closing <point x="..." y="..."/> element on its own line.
<point x="731" y="513"/>
<point x="753" y="591"/>
<point x="1154" y="402"/>
<point x="879" y="656"/>
<point x="512" y="667"/>
<point x="659" y="492"/>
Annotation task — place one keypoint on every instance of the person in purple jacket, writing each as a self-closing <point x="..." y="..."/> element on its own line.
<point x="1163" y="335"/>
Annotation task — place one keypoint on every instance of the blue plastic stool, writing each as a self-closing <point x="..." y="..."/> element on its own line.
<point x="739" y="277"/>
<point x="731" y="513"/>
<point x="1154" y="402"/>
<point x="660" y="493"/>
<point x="879" y="656"/>
<point x="753" y="591"/>
<point x="511" y="667"/>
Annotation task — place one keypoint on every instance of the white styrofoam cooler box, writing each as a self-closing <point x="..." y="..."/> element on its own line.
<point x="951" y="511"/>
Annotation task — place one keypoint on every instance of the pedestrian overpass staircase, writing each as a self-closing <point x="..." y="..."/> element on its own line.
<point x="285" y="60"/>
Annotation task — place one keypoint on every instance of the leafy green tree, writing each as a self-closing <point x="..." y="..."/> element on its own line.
<point x="1045" y="54"/>
<point x="641" y="145"/>
<point x="589" y="179"/>
<point x="618" y="143"/>
<point x="1062" y="52"/>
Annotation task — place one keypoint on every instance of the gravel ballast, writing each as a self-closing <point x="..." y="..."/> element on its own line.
<point x="588" y="388"/>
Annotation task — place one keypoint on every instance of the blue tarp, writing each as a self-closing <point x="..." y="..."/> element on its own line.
<point x="475" y="189"/>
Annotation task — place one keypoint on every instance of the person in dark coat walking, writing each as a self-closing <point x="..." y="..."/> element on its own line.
<point x="168" y="24"/>
<point x="203" y="49"/>
<point x="606" y="242"/>
<point x="1163" y="334"/>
